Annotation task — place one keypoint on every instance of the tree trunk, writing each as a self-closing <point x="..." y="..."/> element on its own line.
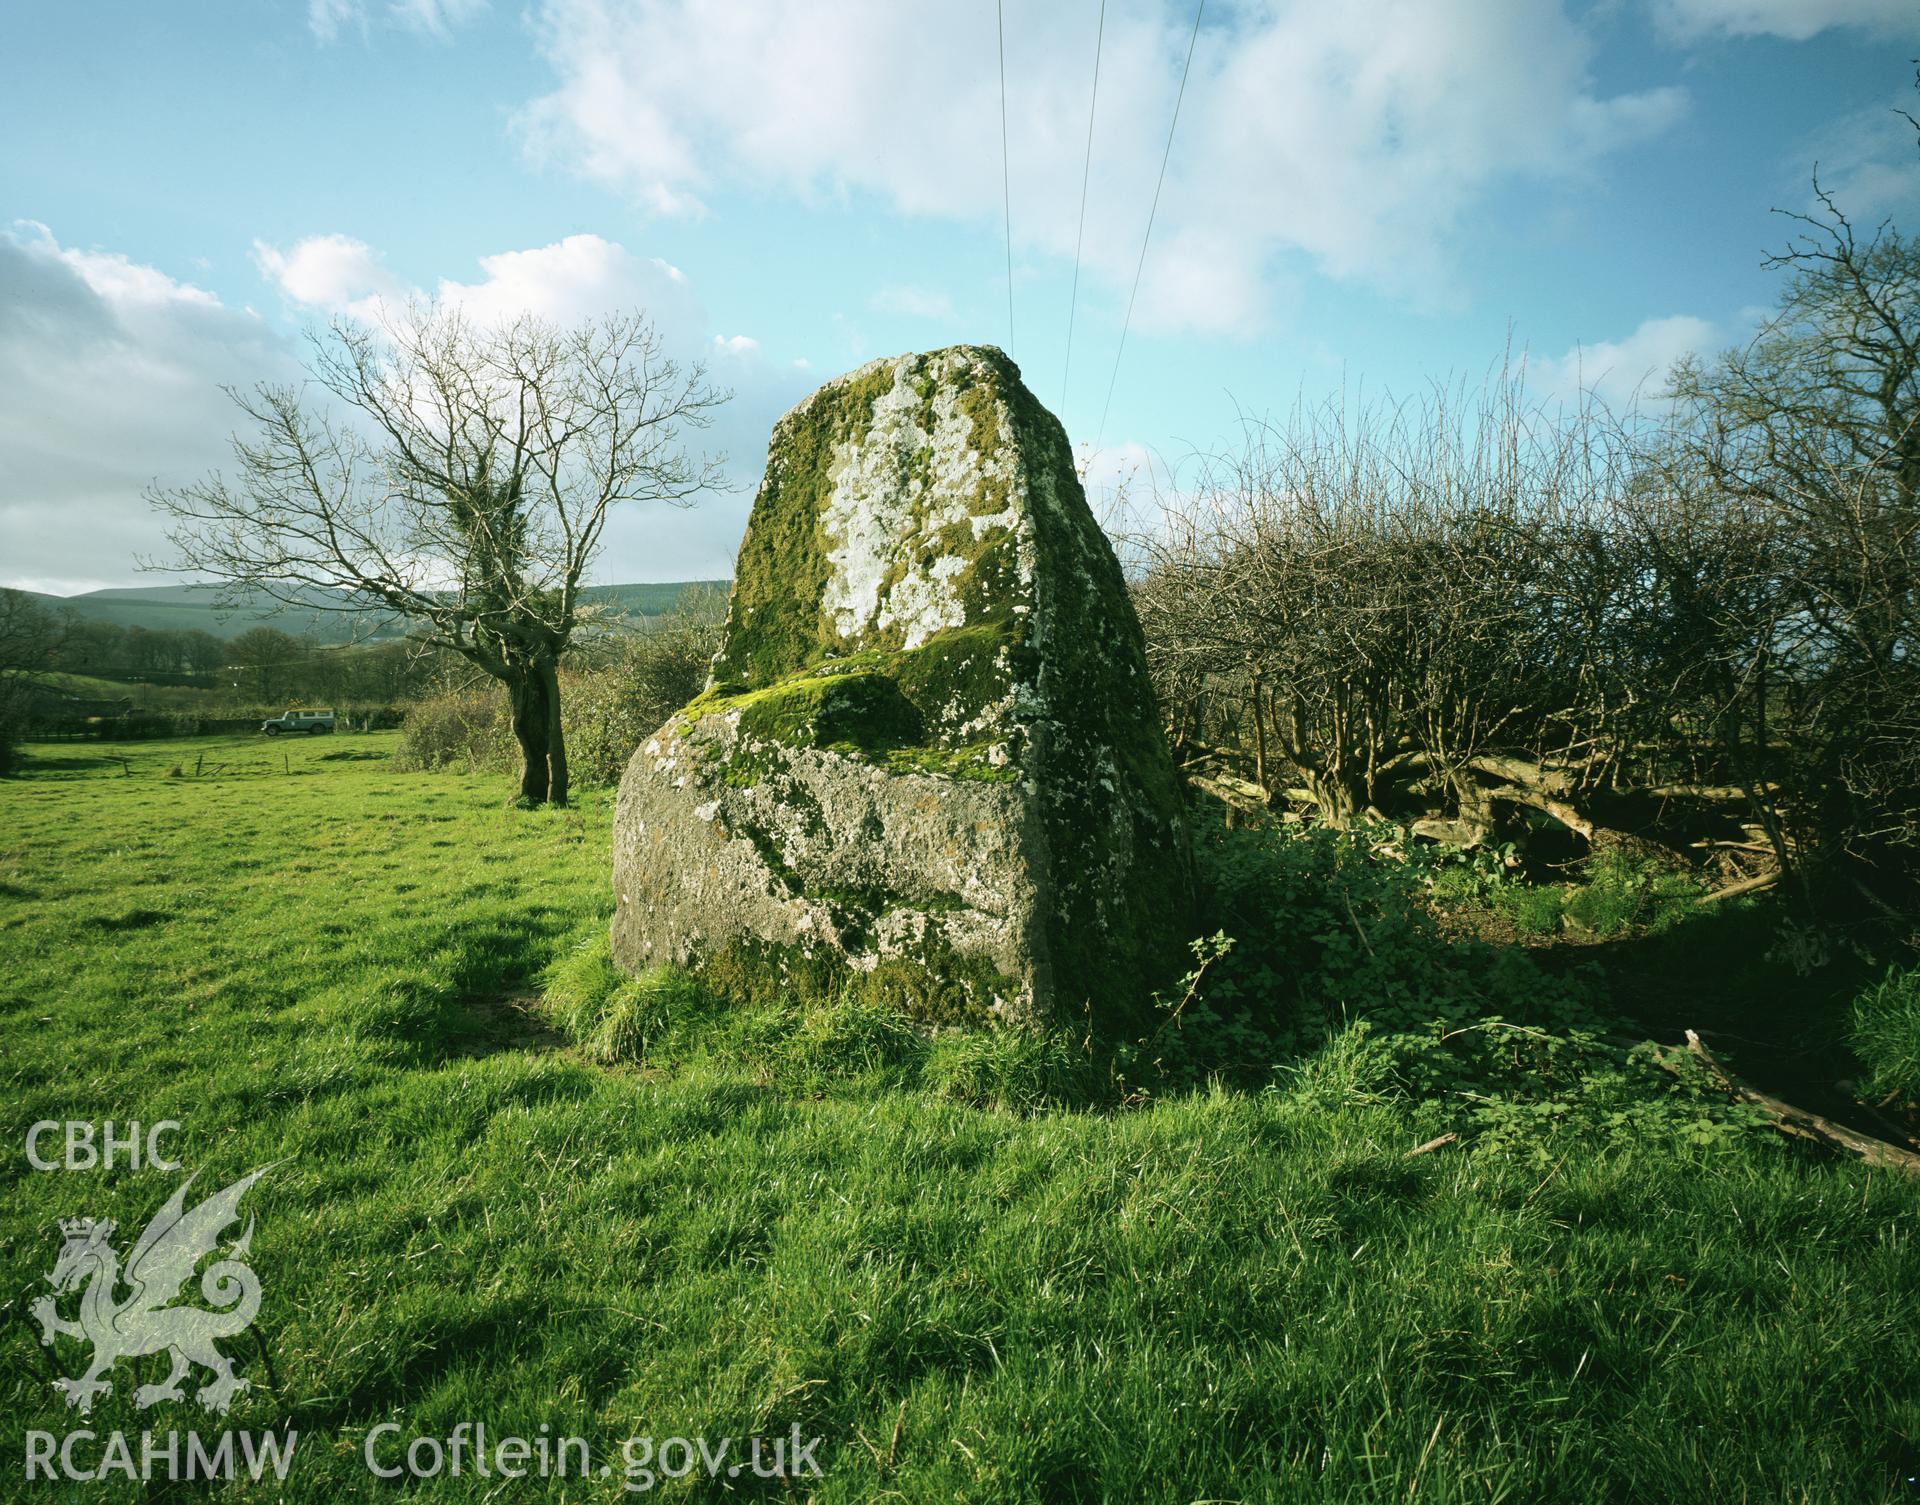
<point x="1336" y="799"/>
<point x="533" y="717"/>
<point x="556" y="737"/>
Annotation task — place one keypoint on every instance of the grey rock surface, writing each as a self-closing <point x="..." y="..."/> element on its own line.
<point x="928" y="766"/>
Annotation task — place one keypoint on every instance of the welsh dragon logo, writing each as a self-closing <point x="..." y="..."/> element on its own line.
<point x="144" y="1321"/>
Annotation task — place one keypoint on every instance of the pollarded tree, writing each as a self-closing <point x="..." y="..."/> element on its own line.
<point x="458" y="476"/>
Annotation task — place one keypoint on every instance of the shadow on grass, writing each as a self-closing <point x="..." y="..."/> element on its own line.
<point x="1768" y="998"/>
<point x="32" y="764"/>
<point x="133" y="919"/>
<point x="488" y="1023"/>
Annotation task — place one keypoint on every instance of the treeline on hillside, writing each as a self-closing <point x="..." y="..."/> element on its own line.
<point x="260" y="664"/>
<point x="623" y="677"/>
<point x="110" y="651"/>
<point x="1697" y="625"/>
<point x="64" y="676"/>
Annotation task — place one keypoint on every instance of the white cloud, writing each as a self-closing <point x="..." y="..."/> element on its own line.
<point x="580" y="277"/>
<point x="1794" y="20"/>
<point x="913" y="303"/>
<point x="55" y="585"/>
<point x="333" y="272"/>
<point x="1359" y="135"/>
<point x="326" y="18"/>
<point x="1866" y="161"/>
<point x="112" y="371"/>
<point x="572" y="279"/>
<point x="436" y="17"/>
<point x="1626" y="371"/>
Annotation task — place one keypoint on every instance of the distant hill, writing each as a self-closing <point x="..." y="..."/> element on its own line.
<point x="183" y="607"/>
<point x="648" y="600"/>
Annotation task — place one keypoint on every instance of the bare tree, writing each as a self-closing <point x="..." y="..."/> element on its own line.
<point x="458" y="476"/>
<point x="1811" y="434"/>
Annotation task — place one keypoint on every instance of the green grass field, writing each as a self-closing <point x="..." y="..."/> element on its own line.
<point x="319" y="964"/>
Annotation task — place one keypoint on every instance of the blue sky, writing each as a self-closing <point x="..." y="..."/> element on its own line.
<point x="1366" y="196"/>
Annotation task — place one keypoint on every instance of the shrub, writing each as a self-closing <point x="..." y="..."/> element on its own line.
<point x="610" y="709"/>
<point x="607" y="709"/>
<point x="604" y="717"/>
<point x="462" y="729"/>
<point x="1886" y="1035"/>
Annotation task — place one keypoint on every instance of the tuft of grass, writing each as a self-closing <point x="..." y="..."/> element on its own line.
<point x="1016" y="1070"/>
<point x="1622" y="891"/>
<point x="858" y="1038"/>
<point x="1618" y="893"/>
<point x="1534" y="909"/>
<point x="1885" y="1035"/>
<point x="614" y="1018"/>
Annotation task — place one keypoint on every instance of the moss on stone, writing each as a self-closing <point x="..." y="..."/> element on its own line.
<point x="866" y="711"/>
<point x="908" y="710"/>
<point x="778" y="623"/>
<point x="756" y="972"/>
<point x="987" y="762"/>
<point x="932" y="985"/>
<point x="775" y="624"/>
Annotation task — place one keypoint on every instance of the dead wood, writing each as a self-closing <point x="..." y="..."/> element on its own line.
<point x="1800" y="1123"/>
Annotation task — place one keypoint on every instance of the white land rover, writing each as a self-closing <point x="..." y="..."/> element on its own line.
<point x="310" y="722"/>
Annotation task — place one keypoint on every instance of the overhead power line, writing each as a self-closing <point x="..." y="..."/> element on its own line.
<point x="1086" y="172"/>
<point x="1006" y="177"/>
<point x="1127" y="323"/>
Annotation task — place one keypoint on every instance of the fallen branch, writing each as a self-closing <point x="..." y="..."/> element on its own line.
<point x="1799" y="1123"/>
<point x="1724" y="794"/>
<point x="1535" y="777"/>
<point x="1560" y="810"/>
<point x="1887" y="911"/>
<point x="1744" y="886"/>
<point x="1465" y="834"/>
<point x="1431" y="1145"/>
<point x="1238" y="793"/>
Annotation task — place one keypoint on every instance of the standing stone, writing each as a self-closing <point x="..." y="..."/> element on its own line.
<point x="928" y="765"/>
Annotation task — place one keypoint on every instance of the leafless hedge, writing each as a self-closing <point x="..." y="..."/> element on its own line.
<point x="1487" y="619"/>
